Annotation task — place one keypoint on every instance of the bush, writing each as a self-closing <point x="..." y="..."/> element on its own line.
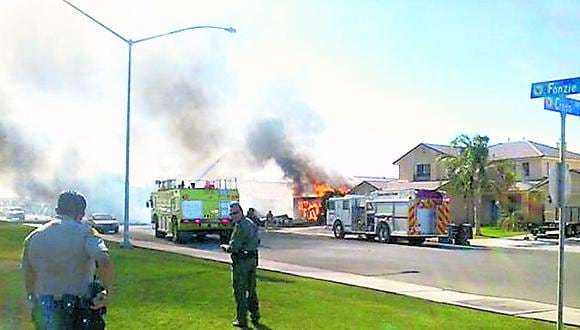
<point x="510" y="221"/>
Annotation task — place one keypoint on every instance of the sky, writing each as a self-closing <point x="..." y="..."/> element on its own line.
<point x="353" y="85"/>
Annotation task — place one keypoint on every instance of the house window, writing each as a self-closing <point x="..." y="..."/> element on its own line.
<point x="423" y="172"/>
<point x="346" y="205"/>
<point x="526" y="167"/>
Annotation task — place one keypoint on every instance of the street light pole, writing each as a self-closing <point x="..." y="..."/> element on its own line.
<point x="126" y="242"/>
<point x="130" y="43"/>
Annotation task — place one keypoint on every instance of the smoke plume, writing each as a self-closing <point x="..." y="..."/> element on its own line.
<point x="267" y="140"/>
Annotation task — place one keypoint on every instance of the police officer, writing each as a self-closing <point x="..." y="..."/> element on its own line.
<point x="59" y="264"/>
<point x="244" y="251"/>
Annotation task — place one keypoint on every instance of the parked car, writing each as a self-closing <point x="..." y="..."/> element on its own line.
<point x="13" y="213"/>
<point x="103" y="222"/>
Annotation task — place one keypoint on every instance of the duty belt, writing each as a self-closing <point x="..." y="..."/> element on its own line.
<point x="67" y="301"/>
<point x="247" y="254"/>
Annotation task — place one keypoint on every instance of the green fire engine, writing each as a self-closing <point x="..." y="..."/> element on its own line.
<point x="184" y="208"/>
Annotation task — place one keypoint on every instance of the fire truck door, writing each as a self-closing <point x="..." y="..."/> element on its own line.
<point x="346" y="215"/>
<point x="358" y="215"/>
<point x="426" y="219"/>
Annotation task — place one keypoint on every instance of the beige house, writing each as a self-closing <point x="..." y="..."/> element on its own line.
<point x="420" y="168"/>
<point x="369" y="184"/>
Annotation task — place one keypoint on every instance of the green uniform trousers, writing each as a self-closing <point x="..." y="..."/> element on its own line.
<point x="244" y="282"/>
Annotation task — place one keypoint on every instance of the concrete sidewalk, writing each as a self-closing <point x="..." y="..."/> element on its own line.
<point x="513" y="307"/>
<point x="572" y="245"/>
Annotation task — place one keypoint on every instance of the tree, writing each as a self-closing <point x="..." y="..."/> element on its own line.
<point x="472" y="175"/>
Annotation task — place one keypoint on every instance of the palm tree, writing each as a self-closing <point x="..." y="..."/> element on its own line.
<point x="471" y="174"/>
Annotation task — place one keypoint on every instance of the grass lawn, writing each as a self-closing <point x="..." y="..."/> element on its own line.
<point x="496" y="232"/>
<point x="157" y="290"/>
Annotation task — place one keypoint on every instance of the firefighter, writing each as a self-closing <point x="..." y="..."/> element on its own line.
<point x="269" y="218"/>
<point x="59" y="262"/>
<point x="244" y="253"/>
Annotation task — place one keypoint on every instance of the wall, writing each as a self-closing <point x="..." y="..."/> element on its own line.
<point x="421" y="155"/>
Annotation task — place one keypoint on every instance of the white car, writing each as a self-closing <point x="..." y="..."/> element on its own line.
<point x="13" y="213"/>
<point x="103" y="222"/>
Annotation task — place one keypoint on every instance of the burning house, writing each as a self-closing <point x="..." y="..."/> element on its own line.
<point x="311" y="183"/>
<point x="309" y="200"/>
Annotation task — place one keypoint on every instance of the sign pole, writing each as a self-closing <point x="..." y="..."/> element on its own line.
<point x="555" y="99"/>
<point x="561" y="199"/>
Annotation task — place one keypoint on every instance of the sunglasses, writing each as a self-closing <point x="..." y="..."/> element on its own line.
<point x="235" y="212"/>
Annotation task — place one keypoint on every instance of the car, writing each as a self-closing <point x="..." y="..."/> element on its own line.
<point x="103" y="223"/>
<point x="13" y="213"/>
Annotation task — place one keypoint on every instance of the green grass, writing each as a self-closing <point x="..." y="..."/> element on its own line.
<point x="496" y="232"/>
<point x="157" y="290"/>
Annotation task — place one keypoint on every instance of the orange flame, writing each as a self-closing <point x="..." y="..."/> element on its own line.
<point x="310" y="209"/>
<point x="321" y="189"/>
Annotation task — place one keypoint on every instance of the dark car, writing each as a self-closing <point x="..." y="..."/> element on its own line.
<point x="103" y="223"/>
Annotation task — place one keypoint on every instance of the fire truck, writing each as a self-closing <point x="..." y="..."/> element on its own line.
<point x="410" y="214"/>
<point x="185" y="208"/>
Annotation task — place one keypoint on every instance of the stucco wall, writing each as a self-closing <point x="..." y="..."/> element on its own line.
<point x="421" y="155"/>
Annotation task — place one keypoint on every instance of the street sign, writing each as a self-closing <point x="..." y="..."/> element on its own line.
<point x="561" y="103"/>
<point x="554" y="93"/>
<point x="556" y="179"/>
<point x="556" y="87"/>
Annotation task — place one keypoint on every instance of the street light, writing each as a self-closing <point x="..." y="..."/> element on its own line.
<point x="130" y="43"/>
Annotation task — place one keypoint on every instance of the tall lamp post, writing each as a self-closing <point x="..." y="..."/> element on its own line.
<point x="130" y="43"/>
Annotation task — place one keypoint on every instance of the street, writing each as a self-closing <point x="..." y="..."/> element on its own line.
<point x="512" y="273"/>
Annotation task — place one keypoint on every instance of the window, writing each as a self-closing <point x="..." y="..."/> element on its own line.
<point x="192" y="209"/>
<point x="346" y="205"/>
<point x="423" y="172"/>
<point x="401" y="209"/>
<point x="331" y="205"/>
<point x="526" y="168"/>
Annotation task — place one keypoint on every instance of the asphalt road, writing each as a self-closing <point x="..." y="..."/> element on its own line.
<point x="513" y="273"/>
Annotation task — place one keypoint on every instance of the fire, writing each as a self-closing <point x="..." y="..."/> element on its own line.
<point x="309" y="197"/>
<point x="310" y="209"/>
<point x="322" y="189"/>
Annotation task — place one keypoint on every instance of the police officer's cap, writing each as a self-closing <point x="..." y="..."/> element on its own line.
<point x="71" y="203"/>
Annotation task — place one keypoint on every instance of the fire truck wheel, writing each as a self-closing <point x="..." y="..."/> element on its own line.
<point x="383" y="233"/>
<point x="338" y="229"/>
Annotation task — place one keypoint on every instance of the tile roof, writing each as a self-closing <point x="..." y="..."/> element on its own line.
<point x="440" y="148"/>
<point x="525" y="149"/>
<point x="400" y="185"/>
<point x="444" y="149"/>
<point x="380" y="184"/>
<point x="506" y="150"/>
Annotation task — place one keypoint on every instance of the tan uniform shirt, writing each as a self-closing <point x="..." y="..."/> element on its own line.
<point x="62" y="253"/>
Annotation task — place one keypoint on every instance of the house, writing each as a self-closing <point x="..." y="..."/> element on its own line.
<point x="420" y="168"/>
<point x="366" y="185"/>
